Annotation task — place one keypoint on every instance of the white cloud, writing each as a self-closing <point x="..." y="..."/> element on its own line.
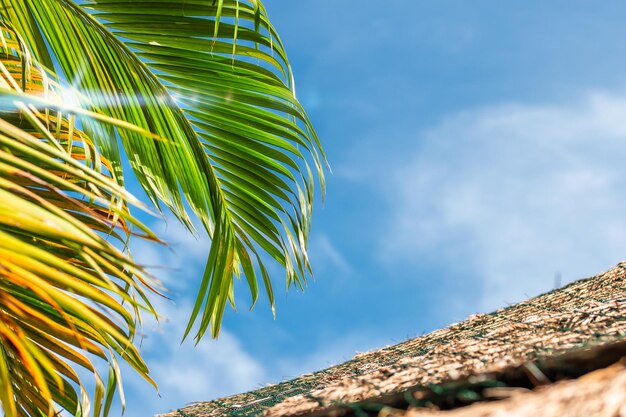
<point x="184" y="372"/>
<point x="514" y="194"/>
<point x="197" y="373"/>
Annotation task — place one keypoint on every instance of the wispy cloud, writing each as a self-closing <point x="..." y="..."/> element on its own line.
<point x="325" y="255"/>
<point x="187" y="373"/>
<point x="513" y="194"/>
<point x="184" y="372"/>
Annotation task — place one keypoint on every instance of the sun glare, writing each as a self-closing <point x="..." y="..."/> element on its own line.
<point x="70" y="98"/>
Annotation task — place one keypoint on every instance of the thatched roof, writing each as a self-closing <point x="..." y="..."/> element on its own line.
<point x="599" y="393"/>
<point x="577" y="330"/>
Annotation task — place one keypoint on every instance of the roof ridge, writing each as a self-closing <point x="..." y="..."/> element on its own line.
<point x="583" y="313"/>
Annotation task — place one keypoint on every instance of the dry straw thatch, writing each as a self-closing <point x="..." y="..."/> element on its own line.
<point x="601" y="393"/>
<point x="497" y="356"/>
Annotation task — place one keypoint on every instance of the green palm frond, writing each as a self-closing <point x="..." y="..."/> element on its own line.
<point x="212" y="77"/>
<point x="200" y="96"/>
<point x="231" y="78"/>
<point x="67" y="295"/>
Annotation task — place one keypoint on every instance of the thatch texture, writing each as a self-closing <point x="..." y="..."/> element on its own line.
<point x="584" y="314"/>
<point x="601" y="393"/>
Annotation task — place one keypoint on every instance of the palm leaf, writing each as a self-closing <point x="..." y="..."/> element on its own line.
<point x="226" y="67"/>
<point x="67" y="294"/>
<point x="213" y="78"/>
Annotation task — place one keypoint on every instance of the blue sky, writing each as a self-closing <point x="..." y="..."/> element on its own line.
<point x="477" y="150"/>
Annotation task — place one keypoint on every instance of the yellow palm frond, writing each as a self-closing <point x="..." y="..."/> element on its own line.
<point x="67" y="293"/>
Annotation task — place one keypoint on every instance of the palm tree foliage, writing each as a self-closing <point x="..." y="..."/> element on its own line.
<point x="198" y="96"/>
